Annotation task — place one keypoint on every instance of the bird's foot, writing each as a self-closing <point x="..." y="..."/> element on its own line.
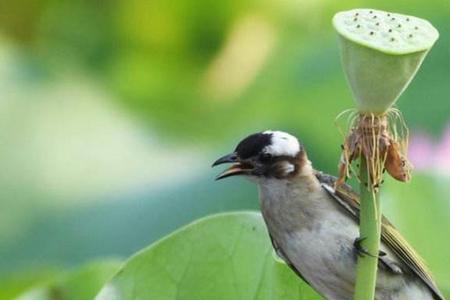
<point x="361" y="251"/>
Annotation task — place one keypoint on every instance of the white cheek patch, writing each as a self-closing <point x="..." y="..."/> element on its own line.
<point x="287" y="167"/>
<point x="282" y="143"/>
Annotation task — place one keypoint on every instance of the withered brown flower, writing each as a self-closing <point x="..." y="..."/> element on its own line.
<point x="378" y="140"/>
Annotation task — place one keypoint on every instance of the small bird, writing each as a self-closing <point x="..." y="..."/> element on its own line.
<point x="314" y="227"/>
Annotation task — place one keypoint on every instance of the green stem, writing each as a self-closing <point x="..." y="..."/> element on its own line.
<point x="370" y="230"/>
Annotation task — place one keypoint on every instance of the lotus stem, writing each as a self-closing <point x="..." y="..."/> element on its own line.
<point x="370" y="231"/>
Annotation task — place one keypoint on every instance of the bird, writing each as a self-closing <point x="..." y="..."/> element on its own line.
<point x="313" y="225"/>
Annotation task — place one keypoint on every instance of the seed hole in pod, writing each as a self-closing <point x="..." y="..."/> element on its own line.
<point x="371" y="33"/>
<point x="392" y="39"/>
<point x="358" y="26"/>
<point x="374" y="17"/>
<point x="355" y="19"/>
<point x="390" y="30"/>
<point x="378" y="24"/>
<point x="416" y="28"/>
<point x="357" y="14"/>
<point x="410" y="36"/>
<point x="399" y="25"/>
<point x="407" y="19"/>
<point x="388" y="14"/>
<point x="392" y="19"/>
<point x="371" y="12"/>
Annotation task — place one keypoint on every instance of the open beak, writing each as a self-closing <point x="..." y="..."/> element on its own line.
<point x="237" y="167"/>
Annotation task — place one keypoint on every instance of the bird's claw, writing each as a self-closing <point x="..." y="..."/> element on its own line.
<point x="361" y="251"/>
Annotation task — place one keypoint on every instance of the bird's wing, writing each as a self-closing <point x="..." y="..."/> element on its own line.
<point x="392" y="238"/>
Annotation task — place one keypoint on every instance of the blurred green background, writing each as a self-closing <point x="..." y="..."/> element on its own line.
<point x="111" y="113"/>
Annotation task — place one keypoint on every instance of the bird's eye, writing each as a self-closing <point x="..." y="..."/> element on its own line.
<point x="265" y="157"/>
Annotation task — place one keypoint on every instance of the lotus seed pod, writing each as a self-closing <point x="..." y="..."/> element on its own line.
<point x="381" y="52"/>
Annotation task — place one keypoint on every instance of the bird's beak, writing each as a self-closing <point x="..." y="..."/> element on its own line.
<point x="238" y="167"/>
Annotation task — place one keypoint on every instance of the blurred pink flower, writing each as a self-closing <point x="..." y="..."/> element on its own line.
<point x="420" y="151"/>
<point x="428" y="155"/>
<point x="442" y="161"/>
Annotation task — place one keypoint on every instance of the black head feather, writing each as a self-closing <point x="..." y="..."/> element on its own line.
<point x="253" y="144"/>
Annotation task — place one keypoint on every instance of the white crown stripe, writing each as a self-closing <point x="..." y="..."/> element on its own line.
<point x="282" y="143"/>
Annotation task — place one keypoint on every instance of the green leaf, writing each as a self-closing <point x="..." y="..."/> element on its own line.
<point x="226" y="256"/>
<point x="81" y="284"/>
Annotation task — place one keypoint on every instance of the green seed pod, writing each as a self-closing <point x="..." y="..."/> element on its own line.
<point x="381" y="53"/>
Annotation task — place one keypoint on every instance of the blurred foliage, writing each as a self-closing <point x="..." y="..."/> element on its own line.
<point x="157" y="57"/>
<point x="14" y="284"/>
<point x="420" y="211"/>
<point x="112" y="112"/>
<point x="81" y="284"/>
